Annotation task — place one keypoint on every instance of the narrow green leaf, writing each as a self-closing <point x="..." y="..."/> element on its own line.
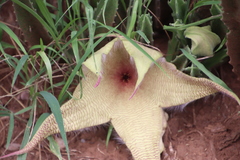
<point x="71" y="23"/>
<point x="8" y="58"/>
<point x="23" y="110"/>
<point x="26" y="136"/>
<point x="39" y="123"/>
<point x="200" y="4"/>
<point x="54" y="147"/>
<point x="55" y="108"/>
<point x="10" y="129"/>
<point x="183" y="27"/>
<point x="4" y="112"/>
<point x="74" y="37"/>
<point x="45" y="12"/>
<point x="75" y="46"/>
<point x="143" y="36"/>
<point x="133" y="18"/>
<point x="145" y="26"/>
<point x="110" y="129"/>
<point x="13" y="36"/>
<point x="47" y="64"/>
<point x="105" y="13"/>
<point x="217" y="80"/>
<point x="34" y="78"/>
<point x="20" y="64"/>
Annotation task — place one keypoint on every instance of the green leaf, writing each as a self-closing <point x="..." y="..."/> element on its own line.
<point x="180" y="62"/>
<point x="20" y="64"/>
<point x="26" y="135"/>
<point x="45" y="12"/>
<point x="143" y="36"/>
<point x="201" y="3"/>
<point x="183" y="27"/>
<point x="39" y="123"/>
<point x="47" y="64"/>
<point x="132" y="19"/>
<point x="55" y="108"/>
<point x="54" y="147"/>
<point x="217" y="80"/>
<point x="75" y="46"/>
<point x="110" y="129"/>
<point x="179" y="8"/>
<point x="23" y="110"/>
<point x="203" y="40"/>
<point x="10" y="129"/>
<point x="145" y="26"/>
<point x="13" y="36"/>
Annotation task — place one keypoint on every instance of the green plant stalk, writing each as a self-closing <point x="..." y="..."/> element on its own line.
<point x="132" y="19"/>
<point x="173" y="47"/>
<point x="183" y="27"/>
<point x="200" y="4"/>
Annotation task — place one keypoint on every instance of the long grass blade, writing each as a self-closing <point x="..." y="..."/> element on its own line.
<point x="75" y="46"/>
<point x="19" y="67"/>
<point x="133" y="18"/>
<point x="13" y="36"/>
<point x="23" y="110"/>
<point x="39" y="122"/>
<point x="54" y="147"/>
<point x="47" y="64"/>
<point x="27" y="131"/>
<point x="47" y="15"/>
<point x="187" y="51"/>
<point x="10" y="129"/>
<point x="55" y="108"/>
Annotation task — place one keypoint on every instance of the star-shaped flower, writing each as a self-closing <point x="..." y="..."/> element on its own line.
<point x="124" y="87"/>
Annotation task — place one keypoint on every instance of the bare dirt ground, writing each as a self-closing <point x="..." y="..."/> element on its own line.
<point x="207" y="129"/>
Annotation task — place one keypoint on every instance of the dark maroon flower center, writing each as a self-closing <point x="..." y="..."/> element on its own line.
<point x="125" y="77"/>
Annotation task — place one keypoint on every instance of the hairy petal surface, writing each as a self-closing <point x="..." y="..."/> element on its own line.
<point x="140" y="121"/>
<point x="174" y="88"/>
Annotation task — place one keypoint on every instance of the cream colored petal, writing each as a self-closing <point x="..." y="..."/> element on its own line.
<point x="175" y="88"/>
<point x="94" y="62"/>
<point x="141" y="127"/>
<point x="142" y="62"/>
